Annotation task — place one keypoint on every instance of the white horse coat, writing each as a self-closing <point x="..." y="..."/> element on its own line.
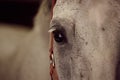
<point x="87" y="39"/>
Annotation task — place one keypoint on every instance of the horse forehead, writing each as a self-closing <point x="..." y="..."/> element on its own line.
<point x="82" y="4"/>
<point x="67" y="3"/>
<point x="66" y="8"/>
<point x="97" y="13"/>
<point x="78" y="2"/>
<point x="73" y="6"/>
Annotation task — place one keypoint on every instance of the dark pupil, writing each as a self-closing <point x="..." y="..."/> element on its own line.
<point x="58" y="36"/>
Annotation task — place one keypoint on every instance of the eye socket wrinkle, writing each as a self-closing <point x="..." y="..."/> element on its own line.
<point x="60" y="23"/>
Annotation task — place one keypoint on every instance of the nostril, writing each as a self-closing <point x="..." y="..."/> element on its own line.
<point x="81" y="75"/>
<point x="118" y="71"/>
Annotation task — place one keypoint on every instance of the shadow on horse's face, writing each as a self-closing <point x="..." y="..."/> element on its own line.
<point x="87" y="39"/>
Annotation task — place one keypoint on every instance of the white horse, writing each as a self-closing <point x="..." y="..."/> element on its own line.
<point x="24" y="52"/>
<point x="87" y="39"/>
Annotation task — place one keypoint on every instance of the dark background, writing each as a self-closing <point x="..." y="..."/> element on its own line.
<point x="19" y="12"/>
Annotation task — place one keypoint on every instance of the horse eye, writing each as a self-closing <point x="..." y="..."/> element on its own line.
<point x="59" y="36"/>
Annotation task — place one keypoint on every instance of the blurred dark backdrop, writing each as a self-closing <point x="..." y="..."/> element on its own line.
<point x="19" y="12"/>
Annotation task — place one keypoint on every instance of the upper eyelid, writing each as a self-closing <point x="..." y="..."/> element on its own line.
<point x="59" y="24"/>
